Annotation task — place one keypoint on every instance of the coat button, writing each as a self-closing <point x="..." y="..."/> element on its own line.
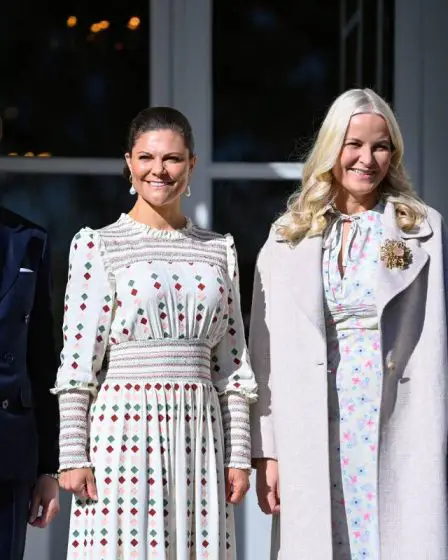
<point x="8" y="357"/>
<point x="5" y="404"/>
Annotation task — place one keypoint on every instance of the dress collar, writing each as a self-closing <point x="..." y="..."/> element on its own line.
<point x="141" y="228"/>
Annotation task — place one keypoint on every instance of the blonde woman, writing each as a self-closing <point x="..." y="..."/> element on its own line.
<point x="349" y="347"/>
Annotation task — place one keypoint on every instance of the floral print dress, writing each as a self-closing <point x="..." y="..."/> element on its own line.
<point x="355" y="381"/>
<point x="154" y="389"/>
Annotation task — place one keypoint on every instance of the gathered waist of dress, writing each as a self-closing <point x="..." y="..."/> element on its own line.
<point x="166" y="359"/>
<point x="352" y="317"/>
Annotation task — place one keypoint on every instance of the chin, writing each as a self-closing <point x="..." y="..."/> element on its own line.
<point x="362" y="189"/>
<point x="159" y="201"/>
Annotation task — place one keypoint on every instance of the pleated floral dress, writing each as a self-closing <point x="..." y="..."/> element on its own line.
<point x="355" y="382"/>
<point x="154" y="389"/>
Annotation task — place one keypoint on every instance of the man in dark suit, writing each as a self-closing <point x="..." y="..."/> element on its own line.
<point x="29" y="420"/>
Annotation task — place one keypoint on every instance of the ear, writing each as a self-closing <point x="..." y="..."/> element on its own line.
<point x="127" y="157"/>
<point x="193" y="162"/>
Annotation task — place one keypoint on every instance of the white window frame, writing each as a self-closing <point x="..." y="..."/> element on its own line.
<point x="181" y="76"/>
<point x="192" y="94"/>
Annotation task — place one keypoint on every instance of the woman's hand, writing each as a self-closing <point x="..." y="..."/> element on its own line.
<point x="237" y="484"/>
<point x="268" y="489"/>
<point x="80" y="482"/>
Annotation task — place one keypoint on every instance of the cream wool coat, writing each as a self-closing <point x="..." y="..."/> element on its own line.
<point x="290" y="420"/>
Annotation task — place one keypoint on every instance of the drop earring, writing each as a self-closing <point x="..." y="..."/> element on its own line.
<point x="132" y="189"/>
<point x="187" y="191"/>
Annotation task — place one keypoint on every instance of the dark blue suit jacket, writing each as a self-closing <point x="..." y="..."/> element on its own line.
<point x="29" y="422"/>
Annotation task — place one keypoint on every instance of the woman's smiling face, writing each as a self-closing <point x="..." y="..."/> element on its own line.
<point x="365" y="156"/>
<point x="160" y="166"/>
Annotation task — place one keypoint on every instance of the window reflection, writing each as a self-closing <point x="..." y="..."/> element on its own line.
<point x="277" y="67"/>
<point x="275" y="71"/>
<point x="73" y="75"/>
<point x="247" y="209"/>
<point x="63" y="204"/>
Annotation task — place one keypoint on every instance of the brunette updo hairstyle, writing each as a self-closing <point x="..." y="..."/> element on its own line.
<point x="158" y="118"/>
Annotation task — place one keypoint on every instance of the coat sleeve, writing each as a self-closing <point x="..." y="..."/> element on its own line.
<point x="262" y="429"/>
<point x="445" y="263"/>
<point x="42" y="367"/>
<point x="232" y="375"/>
<point x="88" y="309"/>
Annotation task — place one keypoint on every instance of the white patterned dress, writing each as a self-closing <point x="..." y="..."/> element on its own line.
<point x="154" y="389"/>
<point x="355" y="382"/>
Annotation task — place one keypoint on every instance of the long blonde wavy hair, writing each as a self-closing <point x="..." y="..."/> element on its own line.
<point x="307" y="208"/>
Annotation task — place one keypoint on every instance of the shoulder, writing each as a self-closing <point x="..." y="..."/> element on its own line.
<point x="434" y="236"/>
<point x="221" y="244"/>
<point x="433" y="228"/>
<point x="203" y="234"/>
<point x="15" y="221"/>
<point x="434" y="218"/>
<point x="210" y="240"/>
<point x="275" y="238"/>
<point x="88" y="235"/>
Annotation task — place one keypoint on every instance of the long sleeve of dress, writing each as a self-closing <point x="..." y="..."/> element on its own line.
<point x="89" y="302"/>
<point x="233" y="377"/>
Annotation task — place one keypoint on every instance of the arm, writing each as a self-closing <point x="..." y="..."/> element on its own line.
<point x="88" y="309"/>
<point x="262" y="430"/>
<point x="42" y="367"/>
<point x="233" y="377"/>
<point x="264" y="454"/>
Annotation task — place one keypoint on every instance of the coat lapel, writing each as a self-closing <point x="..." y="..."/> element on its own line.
<point x="392" y="282"/>
<point x="301" y="266"/>
<point x="12" y="247"/>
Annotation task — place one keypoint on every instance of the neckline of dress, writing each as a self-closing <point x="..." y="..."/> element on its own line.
<point x="359" y="216"/>
<point x="156" y="232"/>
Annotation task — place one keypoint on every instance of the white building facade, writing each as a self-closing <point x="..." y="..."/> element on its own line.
<point x="237" y="173"/>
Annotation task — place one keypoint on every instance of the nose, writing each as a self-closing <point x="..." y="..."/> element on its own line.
<point x="366" y="155"/>
<point x="157" y="166"/>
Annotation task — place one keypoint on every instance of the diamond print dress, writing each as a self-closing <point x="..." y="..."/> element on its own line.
<point x="154" y="389"/>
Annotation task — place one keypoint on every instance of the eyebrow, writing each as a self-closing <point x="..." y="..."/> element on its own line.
<point x="354" y="139"/>
<point x="144" y="152"/>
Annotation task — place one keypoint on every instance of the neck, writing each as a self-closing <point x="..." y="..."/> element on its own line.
<point x="169" y="217"/>
<point x="347" y="204"/>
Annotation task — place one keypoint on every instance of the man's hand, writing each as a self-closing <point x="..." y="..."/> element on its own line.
<point x="268" y="491"/>
<point x="237" y="484"/>
<point x="44" y="502"/>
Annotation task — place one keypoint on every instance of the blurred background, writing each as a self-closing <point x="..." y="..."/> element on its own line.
<point x="254" y="77"/>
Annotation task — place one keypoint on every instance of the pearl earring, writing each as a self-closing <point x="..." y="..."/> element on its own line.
<point x="132" y="189"/>
<point x="187" y="192"/>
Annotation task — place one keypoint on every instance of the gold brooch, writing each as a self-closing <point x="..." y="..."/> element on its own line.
<point x="395" y="254"/>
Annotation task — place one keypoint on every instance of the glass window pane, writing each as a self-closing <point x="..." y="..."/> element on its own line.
<point x="351" y="6"/>
<point x="275" y="72"/>
<point x="73" y="75"/>
<point x="371" y="41"/>
<point x="246" y="209"/>
<point x="63" y="204"/>
<point x="352" y="45"/>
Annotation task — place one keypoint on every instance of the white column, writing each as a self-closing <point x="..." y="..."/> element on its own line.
<point x="192" y="87"/>
<point x="421" y="94"/>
